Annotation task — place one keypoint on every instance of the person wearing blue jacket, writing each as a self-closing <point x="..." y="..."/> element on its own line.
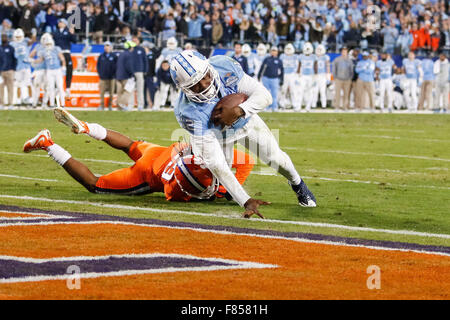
<point x="140" y="63"/>
<point x="365" y="69"/>
<point x="8" y="65"/>
<point x="64" y="37"/>
<point x="106" y="68"/>
<point x="272" y="74"/>
<point x="125" y="77"/>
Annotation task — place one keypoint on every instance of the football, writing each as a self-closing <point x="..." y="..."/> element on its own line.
<point x="226" y="110"/>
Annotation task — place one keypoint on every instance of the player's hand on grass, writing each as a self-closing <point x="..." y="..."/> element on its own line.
<point x="251" y="207"/>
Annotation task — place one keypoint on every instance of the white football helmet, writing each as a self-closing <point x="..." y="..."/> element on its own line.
<point x="289" y="49"/>
<point x="18" y="35"/>
<point x="320" y="50"/>
<point x="246" y="50"/>
<point x="187" y="69"/>
<point x="261" y="49"/>
<point x="308" y="48"/>
<point x="172" y="43"/>
<point x="44" y="37"/>
<point x="49" y="43"/>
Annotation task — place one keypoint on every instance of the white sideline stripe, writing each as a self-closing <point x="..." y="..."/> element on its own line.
<point x="236" y="265"/>
<point x="274" y="173"/>
<point x="236" y="216"/>
<point x="83" y="159"/>
<point x="224" y="232"/>
<point x="369" y="154"/>
<point x="45" y="216"/>
<point x="399" y="138"/>
<point x="26" y="178"/>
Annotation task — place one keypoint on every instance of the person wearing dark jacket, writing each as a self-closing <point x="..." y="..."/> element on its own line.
<point x="106" y="68"/>
<point x="272" y="74"/>
<point x="8" y="65"/>
<point x="150" y="84"/>
<point x="239" y="57"/>
<point x="125" y="77"/>
<point x="140" y="68"/>
<point x="64" y="38"/>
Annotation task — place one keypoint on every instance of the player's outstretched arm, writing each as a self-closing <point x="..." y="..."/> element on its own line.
<point x="208" y="148"/>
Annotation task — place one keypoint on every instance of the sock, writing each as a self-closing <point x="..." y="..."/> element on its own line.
<point x="96" y="131"/>
<point x="59" y="154"/>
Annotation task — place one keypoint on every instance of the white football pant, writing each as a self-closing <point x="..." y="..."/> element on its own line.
<point x="23" y="81"/>
<point x="410" y="94"/>
<point x="320" y="88"/>
<point x="305" y="92"/>
<point x="260" y="140"/>
<point x="39" y="82"/>
<point x="55" y="85"/>
<point x="386" y="90"/>
<point x="289" y="89"/>
<point x="162" y="93"/>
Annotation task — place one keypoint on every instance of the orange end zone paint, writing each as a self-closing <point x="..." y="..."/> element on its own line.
<point x="306" y="270"/>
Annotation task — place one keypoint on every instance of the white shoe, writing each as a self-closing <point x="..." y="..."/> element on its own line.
<point x="63" y="116"/>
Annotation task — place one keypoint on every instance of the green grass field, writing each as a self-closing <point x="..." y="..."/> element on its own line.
<point x="383" y="171"/>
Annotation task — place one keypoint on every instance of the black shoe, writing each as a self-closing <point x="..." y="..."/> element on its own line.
<point x="304" y="195"/>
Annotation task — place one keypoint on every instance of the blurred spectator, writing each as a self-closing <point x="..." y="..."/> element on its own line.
<point x="140" y="67"/>
<point x="239" y="57"/>
<point x="106" y="67"/>
<point x="100" y="24"/>
<point x="442" y="72"/>
<point x="8" y="65"/>
<point x="390" y="35"/>
<point x="207" y="31"/>
<point x="124" y="77"/>
<point x="342" y="75"/>
<point x="64" y="37"/>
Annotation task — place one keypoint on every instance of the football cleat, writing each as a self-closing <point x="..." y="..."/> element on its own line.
<point x="304" y="195"/>
<point x="64" y="116"/>
<point x="41" y="141"/>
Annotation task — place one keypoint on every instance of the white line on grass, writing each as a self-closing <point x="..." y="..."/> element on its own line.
<point x="234" y="233"/>
<point x="369" y="154"/>
<point x="26" y="178"/>
<point x="274" y="173"/>
<point x="231" y="216"/>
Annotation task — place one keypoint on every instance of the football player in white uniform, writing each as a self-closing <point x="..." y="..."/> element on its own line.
<point x="203" y="83"/>
<point x="291" y="81"/>
<point x="384" y="69"/>
<point x="413" y="71"/>
<point x="306" y="69"/>
<point x="39" y="73"/>
<point x="251" y="59"/>
<point x="23" y="69"/>
<point x="170" y="51"/>
<point x="261" y="54"/>
<point x="55" y="65"/>
<point x="323" y="76"/>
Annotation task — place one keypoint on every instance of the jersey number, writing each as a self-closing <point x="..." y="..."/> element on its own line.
<point x="169" y="170"/>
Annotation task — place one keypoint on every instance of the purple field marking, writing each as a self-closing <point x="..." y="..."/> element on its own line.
<point x="86" y="217"/>
<point x="18" y="269"/>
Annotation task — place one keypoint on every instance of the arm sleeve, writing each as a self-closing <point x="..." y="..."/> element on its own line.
<point x="208" y="148"/>
<point x="259" y="97"/>
<point x="243" y="163"/>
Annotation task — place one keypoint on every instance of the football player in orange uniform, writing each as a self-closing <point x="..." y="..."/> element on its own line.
<point x="172" y="170"/>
